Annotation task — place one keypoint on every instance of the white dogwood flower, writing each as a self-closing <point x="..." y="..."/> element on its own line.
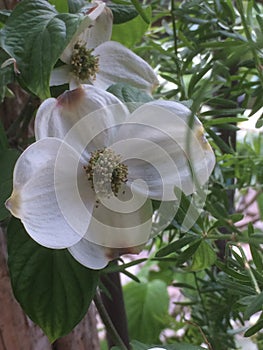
<point x="86" y="183"/>
<point x="91" y="58"/>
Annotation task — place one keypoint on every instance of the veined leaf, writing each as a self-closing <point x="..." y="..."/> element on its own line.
<point x="53" y="289"/>
<point x="145" y="315"/>
<point x="35" y="35"/>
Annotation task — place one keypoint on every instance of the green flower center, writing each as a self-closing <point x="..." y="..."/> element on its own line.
<point x="84" y="65"/>
<point x="106" y="172"/>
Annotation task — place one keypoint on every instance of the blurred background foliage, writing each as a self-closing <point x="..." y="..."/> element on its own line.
<point x="209" y="54"/>
<point x="204" y="286"/>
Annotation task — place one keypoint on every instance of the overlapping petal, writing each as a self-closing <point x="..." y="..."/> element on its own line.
<point x="161" y="144"/>
<point x="166" y="148"/>
<point x="86" y="28"/>
<point x="84" y="116"/>
<point x="119" y="64"/>
<point x="38" y="193"/>
<point x="90" y="255"/>
<point x="121" y="222"/>
<point x="100" y="31"/>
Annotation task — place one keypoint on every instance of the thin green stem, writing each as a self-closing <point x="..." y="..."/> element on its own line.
<point x="249" y="270"/>
<point x="174" y="27"/>
<point x="201" y="299"/>
<point x="107" y="322"/>
<point x="139" y="9"/>
<point x="178" y="68"/>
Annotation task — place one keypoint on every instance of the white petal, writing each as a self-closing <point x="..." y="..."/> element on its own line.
<point x="100" y="31"/>
<point x="47" y="180"/>
<point x="59" y="76"/>
<point x="164" y="151"/>
<point x="90" y="255"/>
<point x="97" y="7"/>
<point x="86" y="23"/>
<point x="119" y="64"/>
<point x="122" y="222"/>
<point x="85" y="116"/>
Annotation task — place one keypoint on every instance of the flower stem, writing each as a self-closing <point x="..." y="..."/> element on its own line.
<point x="107" y="322"/>
<point x="114" y="307"/>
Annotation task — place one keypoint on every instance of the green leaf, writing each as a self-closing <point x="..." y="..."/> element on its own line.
<point x="3" y="138"/>
<point x="8" y="158"/>
<point x="254" y="306"/>
<point x="257" y="257"/>
<point x="204" y="257"/>
<point x="122" y="13"/>
<point x="260" y="204"/>
<point x="53" y="289"/>
<point x="189" y="252"/>
<point x="131" y="32"/>
<point x="145" y="315"/>
<point x="35" y="35"/>
<point x="176" y="245"/>
<point x="218" y="121"/>
<point x="4" y="14"/>
<point x="60" y="5"/>
<point x="132" y="96"/>
<point x="75" y="5"/>
<point x="225" y="111"/>
<point x="231" y="272"/>
<point x="254" y="329"/>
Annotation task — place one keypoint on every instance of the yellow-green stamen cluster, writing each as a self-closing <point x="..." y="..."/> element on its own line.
<point x="106" y="172"/>
<point x="84" y="65"/>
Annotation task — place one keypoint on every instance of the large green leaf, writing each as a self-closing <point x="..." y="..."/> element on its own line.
<point x="53" y="289"/>
<point x="8" y="158"/>
<point x="35" y="35"/>
<point x="131" y="32"/>
<point x="145" y="315"/>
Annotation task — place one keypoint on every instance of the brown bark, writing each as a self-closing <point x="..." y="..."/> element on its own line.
<point x="17" y="332"/>
<point x="83" y="337"/>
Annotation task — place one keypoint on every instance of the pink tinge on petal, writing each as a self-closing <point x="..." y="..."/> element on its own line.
<point x="95" y="11"/>
<point x="100" y="31"/>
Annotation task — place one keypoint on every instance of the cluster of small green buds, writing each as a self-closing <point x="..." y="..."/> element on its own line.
<point x="84" y="64"/>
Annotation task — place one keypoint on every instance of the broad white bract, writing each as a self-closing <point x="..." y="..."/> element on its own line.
<point x="91" y="58"/>
<point x="86" y="184"/>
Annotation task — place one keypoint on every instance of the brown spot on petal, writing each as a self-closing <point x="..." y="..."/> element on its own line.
<point x="201" y="138"/>
<point x="13" y="204"/>
<point x="69" y="99"/>
<point x="113" y="253"/>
